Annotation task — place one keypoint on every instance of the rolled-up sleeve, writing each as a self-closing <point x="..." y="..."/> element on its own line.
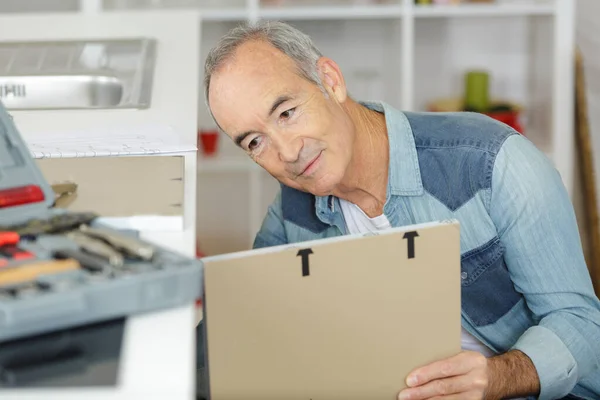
<point x="536" y="223"/>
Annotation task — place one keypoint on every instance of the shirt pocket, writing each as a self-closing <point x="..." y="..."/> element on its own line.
<point x="488" y="292"/>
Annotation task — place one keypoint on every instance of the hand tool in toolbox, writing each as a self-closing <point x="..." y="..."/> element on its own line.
<point x="30" y="271"/>
<point x="9" y="249"/>
<point x="53" y="224"/>
<point x="74" y="270"/>
<point x="97" y="247"/>
<point x="129" y="245"/>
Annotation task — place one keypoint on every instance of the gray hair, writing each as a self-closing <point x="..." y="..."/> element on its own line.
<point x="289" y="40"/>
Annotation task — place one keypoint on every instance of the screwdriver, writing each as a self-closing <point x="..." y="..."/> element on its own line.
<point x="9" y="249"/>
<point x="15" y="253"/>
<point x="97" y="247"/>
<point x="9" y="238"/>
<point x="121" y="242"/>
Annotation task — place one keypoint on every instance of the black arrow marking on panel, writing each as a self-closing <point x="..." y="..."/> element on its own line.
<point x="305" y="253"/>
<point x="411" y="242"/>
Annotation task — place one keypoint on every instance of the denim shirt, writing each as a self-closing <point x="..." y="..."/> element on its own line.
<point x="525" y="284"/>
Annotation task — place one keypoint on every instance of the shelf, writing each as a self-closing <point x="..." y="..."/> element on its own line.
<point x="332" y="12"/>
<point x="225" y="164"/>
<point x="384" y="11"/>
<point x="232" y="14"/>
<point x="484" y="10"/>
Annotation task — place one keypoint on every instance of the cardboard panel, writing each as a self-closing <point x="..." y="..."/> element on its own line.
<point x="121" y="186"/>
<point x="344" y="318"/>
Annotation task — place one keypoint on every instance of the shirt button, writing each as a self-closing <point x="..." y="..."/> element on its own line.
<point x="464" y="275"/>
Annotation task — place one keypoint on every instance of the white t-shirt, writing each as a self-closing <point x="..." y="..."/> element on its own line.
<point x="359" y="222"/>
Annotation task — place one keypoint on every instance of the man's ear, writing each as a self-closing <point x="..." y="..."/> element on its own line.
<point x="332" y="78"/>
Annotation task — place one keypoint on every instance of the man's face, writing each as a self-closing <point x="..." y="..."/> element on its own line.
<point x="284" y="122"/>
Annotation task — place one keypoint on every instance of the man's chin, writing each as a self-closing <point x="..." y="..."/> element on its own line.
<point x="317" y="190"/>
<point x="321" y="187"/>
<point x="321" y="191"/>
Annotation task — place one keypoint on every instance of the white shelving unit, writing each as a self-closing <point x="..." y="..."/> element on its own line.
<point x="297" y="13"/>
<point x="405" y="54"/>
<point x="513" y="9"/>
<point x="409" y="55"/>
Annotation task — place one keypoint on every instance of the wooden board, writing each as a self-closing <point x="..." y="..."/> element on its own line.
<point x="591" y="220"/>
<point x="121" y="186"/>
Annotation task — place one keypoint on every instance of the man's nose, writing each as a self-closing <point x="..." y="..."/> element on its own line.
<point x="289" y="150"/>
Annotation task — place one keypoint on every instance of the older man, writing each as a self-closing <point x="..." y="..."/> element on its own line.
<point x="531" y="321"/>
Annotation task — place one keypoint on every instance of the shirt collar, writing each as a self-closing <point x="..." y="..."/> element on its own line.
<point x="404" y="172"/>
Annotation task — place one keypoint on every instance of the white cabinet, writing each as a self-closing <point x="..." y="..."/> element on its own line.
<point x="405" y="54"/>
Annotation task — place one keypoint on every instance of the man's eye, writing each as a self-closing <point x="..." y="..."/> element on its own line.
<point x="288" y="113"/>
<point x="254" y="143"/>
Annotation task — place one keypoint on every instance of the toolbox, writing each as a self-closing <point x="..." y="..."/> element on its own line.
<point x="62" y="269"/>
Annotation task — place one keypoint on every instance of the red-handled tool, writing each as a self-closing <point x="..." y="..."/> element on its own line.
<point x="9" y="248"/>
<point x="15" y="253"/>
<point x="9" y="238"/>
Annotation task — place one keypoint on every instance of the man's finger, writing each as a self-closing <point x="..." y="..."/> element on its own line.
<point x="457" y="365"/>
<point x="440" y="387"/>
<point x="460" y="396"/>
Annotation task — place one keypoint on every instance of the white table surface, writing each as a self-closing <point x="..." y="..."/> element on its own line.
<point x="158" y="361"/>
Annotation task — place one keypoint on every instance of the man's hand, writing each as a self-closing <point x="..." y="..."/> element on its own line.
<point x="464" y="376"/>
<point x="470" y="375"/>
